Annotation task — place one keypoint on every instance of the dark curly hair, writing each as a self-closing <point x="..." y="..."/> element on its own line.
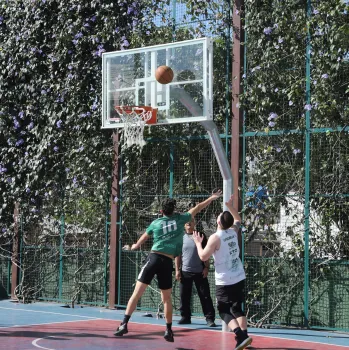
<point x="226" y="220"/>
<point x="168" y="206"/>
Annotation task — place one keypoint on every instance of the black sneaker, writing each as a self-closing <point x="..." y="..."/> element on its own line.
<point x="121" y="330"/>
<point x="169" y="335"/>
<point x="243" y="344"/>
<point x="184" y="320"/>
<point x="210" y="323"/>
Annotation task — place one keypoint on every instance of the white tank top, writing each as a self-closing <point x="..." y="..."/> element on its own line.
<point x="228" y="266"/>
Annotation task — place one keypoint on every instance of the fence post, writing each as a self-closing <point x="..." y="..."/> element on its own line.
<point x="307" y="175"/>
<point x="61" y="251"/>
<point x="106" y="247"/>
<point x="237" y="64"/>
<point x="15" y="253"/>
<point x="171" y="169"/>
<point x="114" y="226"/>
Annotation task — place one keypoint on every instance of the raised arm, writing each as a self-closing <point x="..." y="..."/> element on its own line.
<point x="213" y="244"/>
<point x="233" y="211"/>
<point x="205" y="203"/>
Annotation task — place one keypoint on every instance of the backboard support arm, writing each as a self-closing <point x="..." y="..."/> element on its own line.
<point x="221" y="158"/>
<point x="215" y="140"/>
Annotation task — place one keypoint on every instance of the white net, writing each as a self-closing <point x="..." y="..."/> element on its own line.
<point x="134" y="119"/>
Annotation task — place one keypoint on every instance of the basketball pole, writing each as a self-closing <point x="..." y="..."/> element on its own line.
<point x="218" y="150"/>
<point x="224" y="167"/>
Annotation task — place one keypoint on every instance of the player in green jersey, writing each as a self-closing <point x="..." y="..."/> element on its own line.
<point x="167" y="233"/>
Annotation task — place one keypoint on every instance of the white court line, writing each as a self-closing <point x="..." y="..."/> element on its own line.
<point x="45" y="312"/>
<point x="34" y="342"/>
<point x="48" y="323"/>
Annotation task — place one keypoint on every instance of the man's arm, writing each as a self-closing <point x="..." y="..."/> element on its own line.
<point x="178" y="264"/>
<point x="204" y="204"/>
<point x="141" y="240"/>
<point x="233" y="211"/>
<point x="212" y="245"/>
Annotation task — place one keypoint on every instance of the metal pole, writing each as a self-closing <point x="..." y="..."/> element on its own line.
<point x="227" y="79"/>
<point x="15" y="252"/>
<point x="243" y="150"/>
<point x="236" y="91"/>
<point x="174" y="16"/>
<point x="106" y="245"/>
<point x="8" y="287"/>
<point x="222" y="159"/>
<point x="171" y="169"/>
<point x="215" y="140"/>
<point x="237" y="116"/>
<point x="61" y="250"/>
<point x="307" y="176"/>
<point x="114" y="229"/>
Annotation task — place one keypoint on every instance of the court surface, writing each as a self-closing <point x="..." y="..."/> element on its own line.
<point x="50" y="326"/>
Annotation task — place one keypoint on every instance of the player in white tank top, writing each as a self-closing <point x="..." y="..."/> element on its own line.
<point x="228" y="266"/>
<point x="229" y="272"/>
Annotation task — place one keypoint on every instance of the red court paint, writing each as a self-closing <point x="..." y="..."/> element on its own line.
<point x="98" y="334"/>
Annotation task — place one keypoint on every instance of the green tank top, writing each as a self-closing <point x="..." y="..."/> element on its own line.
<point x="168" y="232"/>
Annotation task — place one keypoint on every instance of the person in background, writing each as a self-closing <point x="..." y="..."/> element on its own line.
<point x="190" y="269"/>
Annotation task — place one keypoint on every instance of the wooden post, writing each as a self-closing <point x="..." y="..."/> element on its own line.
<point x="114" y="226"/>
<point x="237" y="64"/>
<point x="15" y="252"/>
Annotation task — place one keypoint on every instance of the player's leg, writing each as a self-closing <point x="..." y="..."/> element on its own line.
<point x="203" y="289"/>
<point x="168" y="310"/>
<point x="225" y="302"/>
<point x="164" y="274"/>
<point x="185" y="290"/>
<point x="238" y="297"/>
<point x="144" y="279"/>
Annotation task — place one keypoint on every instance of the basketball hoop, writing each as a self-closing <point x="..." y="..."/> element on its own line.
<point x="134" y="119"/>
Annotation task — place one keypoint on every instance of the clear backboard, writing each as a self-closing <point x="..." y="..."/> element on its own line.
<point x="128" y="79"/>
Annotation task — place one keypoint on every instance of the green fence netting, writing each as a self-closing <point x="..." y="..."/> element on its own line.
<point x="65" y="257"/>
<point x="5" y="270"/>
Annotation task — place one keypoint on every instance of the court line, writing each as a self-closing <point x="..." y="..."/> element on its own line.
<point x="34" y="342"/>
<point x="48" y="323"/>
<point x="45" y="312"/>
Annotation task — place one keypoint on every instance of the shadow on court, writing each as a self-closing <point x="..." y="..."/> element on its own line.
<point x="304" y="335"/>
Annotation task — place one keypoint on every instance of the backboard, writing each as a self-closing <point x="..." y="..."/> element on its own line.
<point x="128" y="79"/>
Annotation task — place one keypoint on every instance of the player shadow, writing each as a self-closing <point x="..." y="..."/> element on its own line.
<point x="283" y="348"/>
<point x="52" y="334"/>
<point x="154" y="335"/>
<point x="67" y="336"/>
<point x="300" y="335"/>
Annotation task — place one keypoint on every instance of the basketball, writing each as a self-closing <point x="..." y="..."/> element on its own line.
<point x="164" y="74"/>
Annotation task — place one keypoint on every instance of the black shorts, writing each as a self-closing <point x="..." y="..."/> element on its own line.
<point x="233" y="293"/>
<point x="159" y="265"/>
